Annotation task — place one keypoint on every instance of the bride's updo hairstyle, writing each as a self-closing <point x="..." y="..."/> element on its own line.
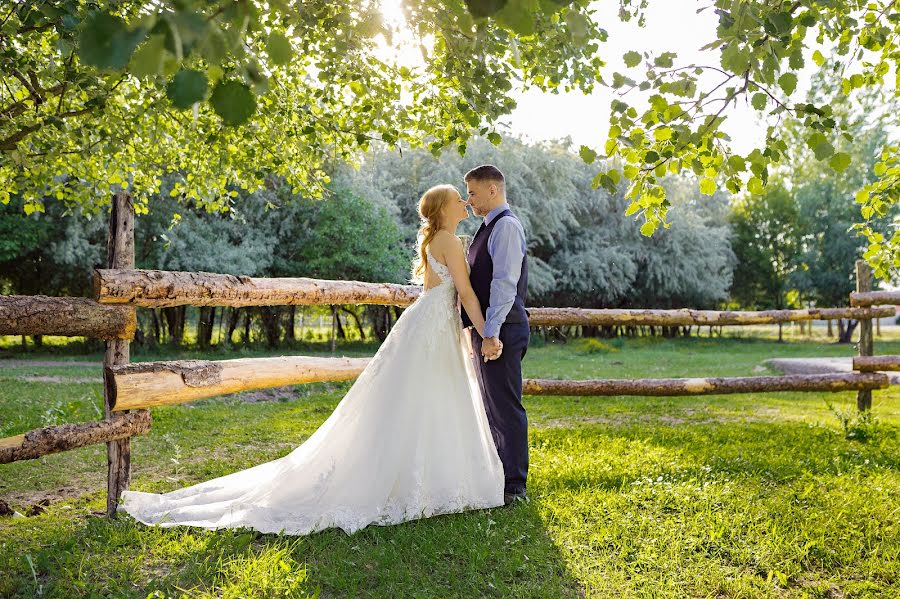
<point x="431" y="207"/>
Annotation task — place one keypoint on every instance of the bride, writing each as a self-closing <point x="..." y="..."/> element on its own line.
<point x="409" y="440"/>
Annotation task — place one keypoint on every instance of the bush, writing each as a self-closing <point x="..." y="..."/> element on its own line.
<point x="593" y="346"/>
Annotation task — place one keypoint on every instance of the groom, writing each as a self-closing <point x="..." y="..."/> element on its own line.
<point x="499" y="275"/>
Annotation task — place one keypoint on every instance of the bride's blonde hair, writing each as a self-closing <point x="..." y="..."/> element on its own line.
<point x="431" y="208"/>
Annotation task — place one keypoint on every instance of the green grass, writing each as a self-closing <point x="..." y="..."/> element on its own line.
<point x="739" y="496"/>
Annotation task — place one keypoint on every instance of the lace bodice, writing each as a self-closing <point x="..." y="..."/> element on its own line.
<point x="441" y="270"/>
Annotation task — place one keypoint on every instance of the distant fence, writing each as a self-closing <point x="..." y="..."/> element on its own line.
<point x="129" y="389"/>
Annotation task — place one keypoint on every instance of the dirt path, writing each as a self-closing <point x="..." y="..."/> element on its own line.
<point x="46" y="363"/>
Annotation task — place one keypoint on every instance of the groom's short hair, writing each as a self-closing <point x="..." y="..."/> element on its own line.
<point x="486" y="172"/>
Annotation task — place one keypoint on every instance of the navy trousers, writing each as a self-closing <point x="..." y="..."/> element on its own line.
<point x="501" y="387"/>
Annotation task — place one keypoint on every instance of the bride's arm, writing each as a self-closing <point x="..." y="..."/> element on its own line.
<point x="456" y="262"/>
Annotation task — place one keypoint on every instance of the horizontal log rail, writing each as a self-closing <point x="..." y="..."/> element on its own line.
<point x="147" y="384"/>
<point x="876" y="363"/>
<point x="872" y="298"/>
<point x="65" y="316"/>
<point x="687" y="317"/>
<point x="161" y="289"/>
<point x="164" y="383"/>
<point x="54" y="439"/>
<point x="708" y="386"/>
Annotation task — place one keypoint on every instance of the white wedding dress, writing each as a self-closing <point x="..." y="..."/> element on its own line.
<point x="409" y="440"/>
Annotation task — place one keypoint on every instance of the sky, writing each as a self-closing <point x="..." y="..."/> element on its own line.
<point x="672" y="25"/>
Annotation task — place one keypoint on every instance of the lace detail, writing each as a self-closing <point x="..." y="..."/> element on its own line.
<point x="409" y="440"/>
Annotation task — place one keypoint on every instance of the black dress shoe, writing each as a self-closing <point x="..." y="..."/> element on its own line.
<point x="510" y="498"/>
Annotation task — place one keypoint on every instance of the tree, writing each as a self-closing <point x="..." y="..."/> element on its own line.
<point x="765" y="244"/>
<point x="110" y="95"/>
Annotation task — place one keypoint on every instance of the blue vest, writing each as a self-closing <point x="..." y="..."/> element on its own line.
<point x="482" y="273"/>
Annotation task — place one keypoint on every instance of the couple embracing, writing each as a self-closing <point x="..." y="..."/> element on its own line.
<point x="433" y="425"/>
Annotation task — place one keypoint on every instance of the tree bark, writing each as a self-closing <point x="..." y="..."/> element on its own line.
<point x="233" y="315"/>
<point x="54" y="439"/>
<point x="149" y="384"/>
<point x="846" y="335"/>
<point x="205" y="322"/>
<point x="175" y="323"/>
<point x="158" y="288"/>
<point x="120" y="255"/>
<point x="289" y="335"/>
<point x="67" y="316"/>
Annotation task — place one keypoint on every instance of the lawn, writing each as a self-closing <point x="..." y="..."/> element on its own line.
<point x="767" y="495"/>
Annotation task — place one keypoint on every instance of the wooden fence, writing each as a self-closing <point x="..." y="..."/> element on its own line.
<point x="129" y="389"/>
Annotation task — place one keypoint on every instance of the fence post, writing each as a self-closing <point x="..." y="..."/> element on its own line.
<point x="120" y="254"/>
<point x="866" y="346"/>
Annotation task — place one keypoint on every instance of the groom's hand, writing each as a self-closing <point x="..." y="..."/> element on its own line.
<point x="491" y="348"/>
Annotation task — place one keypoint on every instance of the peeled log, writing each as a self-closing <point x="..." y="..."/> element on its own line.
<point x="53" y="439"/>
<point x="871" y="298"/>
<point x="161" y="289"/>
<point x="161" y="383"/>
<point x="876" y="363"/>
<point x="708" y="386"/>
<point x="67" y="316"/>
<point x="687" y="317"/>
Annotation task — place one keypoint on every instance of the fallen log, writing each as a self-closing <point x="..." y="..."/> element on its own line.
<point x="53" y="439"/>
<point x="161" y="289"/>
<point x="149" y="384"/>
<point x="876" y="363"/>
<point x="707" y="386"/>
<point x="66" y="316"/>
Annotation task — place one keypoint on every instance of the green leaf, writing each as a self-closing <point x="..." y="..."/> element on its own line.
<point x="149" y="58"/>
<point x="587" y="154"/>
<point x="818" y="58"/>
<point x="707" y="186"/>
<point x="648" y="228"/>
<point x="880" y="169"/>
<point x="862" y="196"/>
<point x="484" y="8"/>
<point x="662" y="134"/>
<point x="823" y="150"/>
<point x="632" y="59"/>
<point x="755" y="185"/>
<point x="106" y="42"/>
<point x="279" y="48"/>
<point x="665" y="60"/>
<point x="186" y="88"/>
<point x="788" y="83"/>
<point x="518" y="16"/>
<point x="632" y="208"/>
<point x="494" y="138"/>
<point x="233" y="101"/>
<point x="840" y="161"/>
<point x="737" y="163"/>
<point x="758" y="101"/>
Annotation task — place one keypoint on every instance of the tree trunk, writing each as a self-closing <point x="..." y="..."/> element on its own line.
<point x="847" y="333"/>
<point x="157" y="333"/>
<point x="271" y="322"/>
<point x="205" y="322"/>
<point x="357" y="321"/>
<point x="289" y="333"/>
<point x="175" y="322"/>
<point x="233" y="316"/>
<point x="248" y="314"/>
<point x="830" y="329"/>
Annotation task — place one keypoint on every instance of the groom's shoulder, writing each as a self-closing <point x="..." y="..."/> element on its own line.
<point x="510" y="219"/>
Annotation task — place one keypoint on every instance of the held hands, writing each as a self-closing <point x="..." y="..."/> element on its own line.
<point x="491" y="348"/>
